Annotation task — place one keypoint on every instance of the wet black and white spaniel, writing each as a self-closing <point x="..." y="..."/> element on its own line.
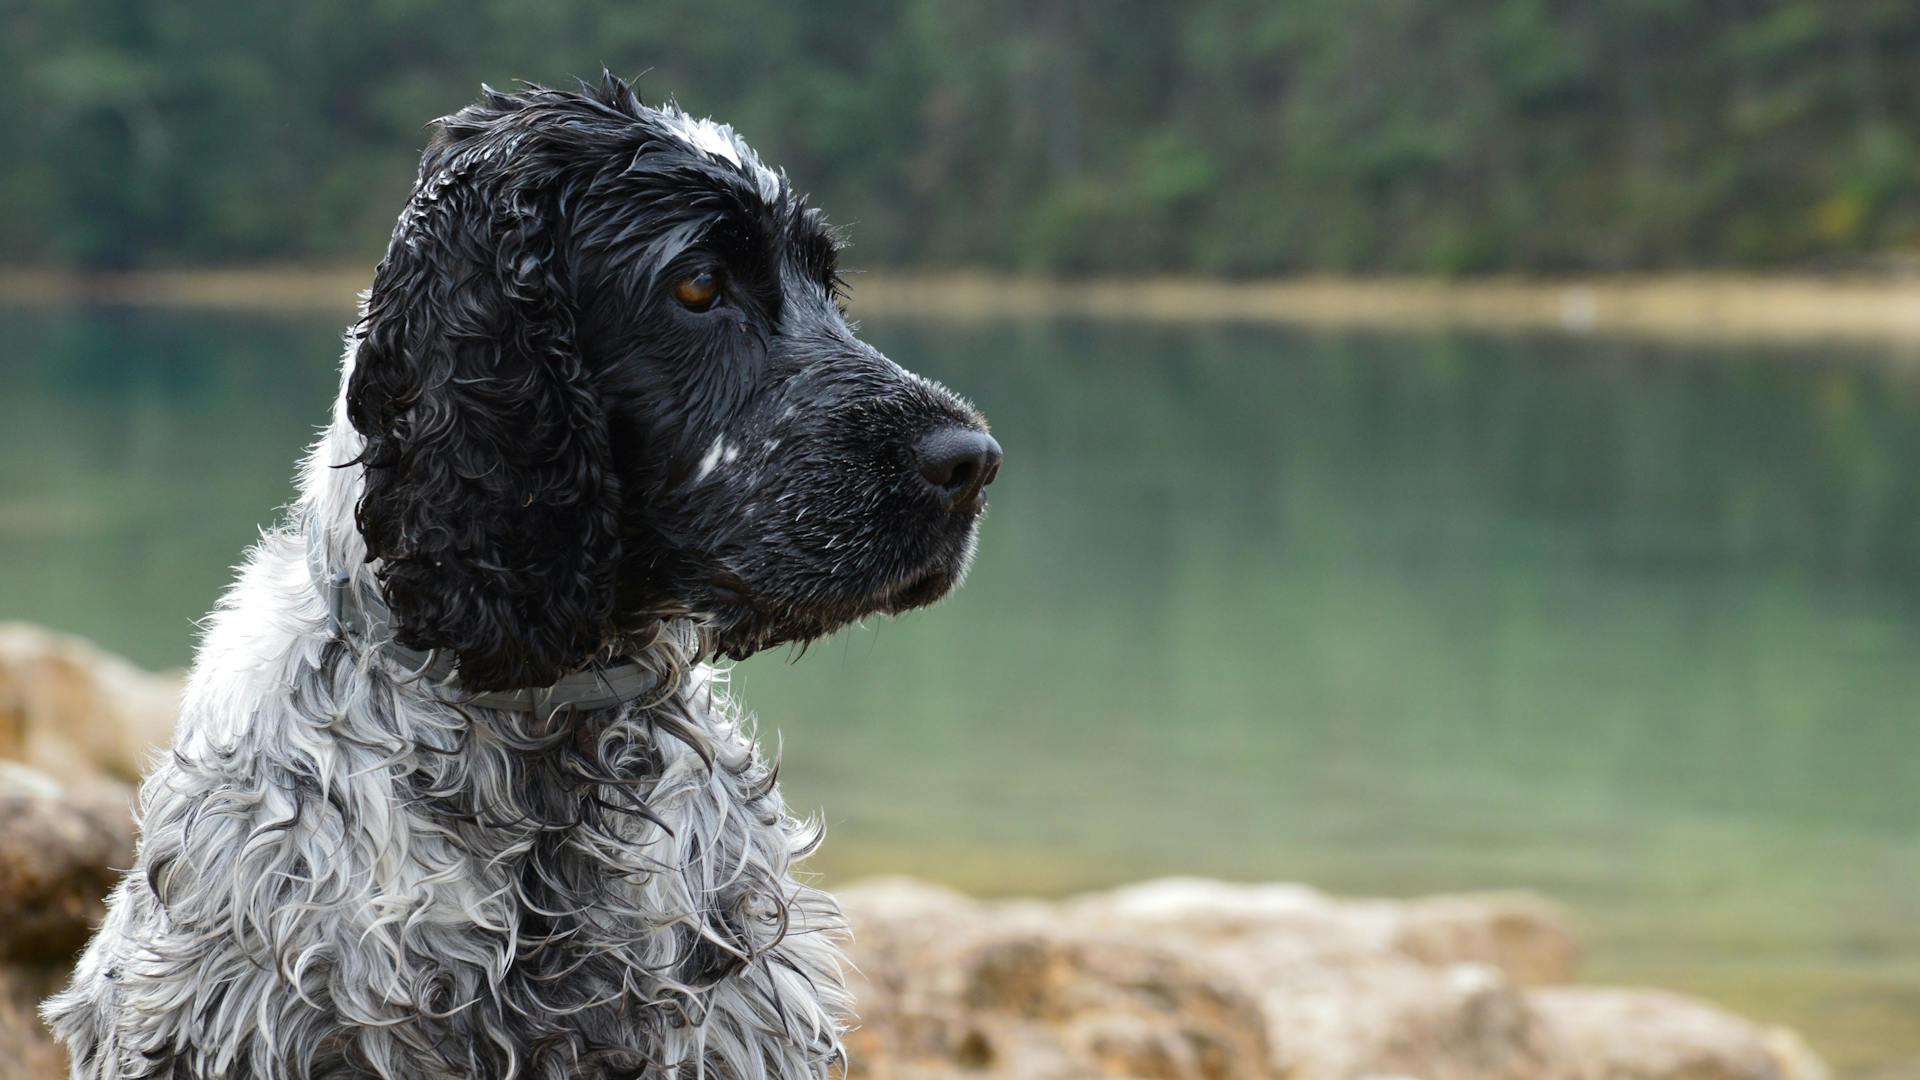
<point x="456" y="792"/>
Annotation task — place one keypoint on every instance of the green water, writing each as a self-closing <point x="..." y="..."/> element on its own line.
<point x="1633" y="625"/>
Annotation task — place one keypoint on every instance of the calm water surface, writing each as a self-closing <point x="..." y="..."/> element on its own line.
<point x="1633" y="625"/>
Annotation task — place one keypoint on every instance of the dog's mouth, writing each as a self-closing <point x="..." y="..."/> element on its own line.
<point x="917" y="592"/>
<point x="751" y="623"/>
<point x="879" y="572"/>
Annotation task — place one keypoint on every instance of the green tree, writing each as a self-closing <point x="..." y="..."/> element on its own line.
<point x="1228" y="136"/>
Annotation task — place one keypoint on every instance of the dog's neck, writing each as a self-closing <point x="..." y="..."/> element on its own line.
<point x="360" y="617"/>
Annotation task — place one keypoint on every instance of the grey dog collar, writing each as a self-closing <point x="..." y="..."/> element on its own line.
<point x="365" y="622"/>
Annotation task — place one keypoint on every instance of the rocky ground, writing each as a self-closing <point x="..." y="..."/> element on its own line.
<point x="1204" y="980"/>
<point x="1168" y="980"/>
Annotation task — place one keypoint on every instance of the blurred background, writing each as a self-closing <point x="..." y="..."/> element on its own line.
<point x="1630" y="619"/>
<point x="1233" y="136"/>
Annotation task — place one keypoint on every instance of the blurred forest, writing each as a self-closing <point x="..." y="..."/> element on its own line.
<point x="1234" y="137"/>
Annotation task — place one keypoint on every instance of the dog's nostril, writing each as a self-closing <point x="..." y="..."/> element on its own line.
<point x="956" y="462"/>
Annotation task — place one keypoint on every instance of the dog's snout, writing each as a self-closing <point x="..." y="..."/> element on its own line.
<point x="956" y="462"/>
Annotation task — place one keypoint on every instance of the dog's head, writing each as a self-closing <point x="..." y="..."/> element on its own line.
<point x="604" y="378"/>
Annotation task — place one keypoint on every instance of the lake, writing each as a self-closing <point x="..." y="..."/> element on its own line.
<point x="1631" y="624"/>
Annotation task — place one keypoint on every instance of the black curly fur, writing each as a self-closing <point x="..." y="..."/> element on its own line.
<point x="490" y="495"/>
<point x="543" y="425"/>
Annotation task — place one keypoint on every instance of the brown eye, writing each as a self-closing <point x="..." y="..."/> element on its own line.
<point x="697" y="292"/>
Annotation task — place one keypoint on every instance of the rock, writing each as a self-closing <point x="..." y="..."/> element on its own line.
<point x="73" y="710"/>
<point x="1524" y="937"/>
<point x="1198" y="980"/>
<point x="77" y="726"/>
<point x="27" y="1050"/>
<point x="1392" y="1016"/>
<point x="1631" y="1034"/>
<point x="58" y="849"/>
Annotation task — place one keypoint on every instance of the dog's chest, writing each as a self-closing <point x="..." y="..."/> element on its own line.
<point x="652" y="869"/>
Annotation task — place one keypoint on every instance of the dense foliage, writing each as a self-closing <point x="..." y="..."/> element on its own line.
<point x="1235" y="136"/>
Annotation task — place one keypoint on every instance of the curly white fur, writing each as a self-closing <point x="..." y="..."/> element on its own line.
<point x="343" y="876"/>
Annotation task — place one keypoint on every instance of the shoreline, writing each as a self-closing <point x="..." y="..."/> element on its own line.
<point x="1677" y="307"/>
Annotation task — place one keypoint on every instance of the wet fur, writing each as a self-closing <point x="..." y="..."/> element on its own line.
<point x="543" y="466"/>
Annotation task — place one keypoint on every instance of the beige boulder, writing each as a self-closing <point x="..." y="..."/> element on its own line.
<point x="1199" y="980"/>
<point x="58" y="851"/>
<point x="78" y="712"/>
<point x="27" y="1050"/>
<point x="1523" y="936"/>
<point x="77" y="726"/>
<point x="945" y="993"/>
<point x="1647" y="1034"/>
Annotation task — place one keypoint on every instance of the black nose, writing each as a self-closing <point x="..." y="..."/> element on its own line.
<point x="956" y="462"/>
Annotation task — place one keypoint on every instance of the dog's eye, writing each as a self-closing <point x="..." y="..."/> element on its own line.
<point x="697" y="292"/>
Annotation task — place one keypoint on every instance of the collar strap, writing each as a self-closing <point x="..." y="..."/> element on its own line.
<point x="363" y="620"/>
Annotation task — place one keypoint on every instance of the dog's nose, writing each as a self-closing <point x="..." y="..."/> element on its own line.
<point x="956" y="462"/>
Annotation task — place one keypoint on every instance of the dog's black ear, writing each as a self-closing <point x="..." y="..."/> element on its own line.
<point x="489" y="495"/>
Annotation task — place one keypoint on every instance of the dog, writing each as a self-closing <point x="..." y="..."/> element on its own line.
<point x="457" y="790"/>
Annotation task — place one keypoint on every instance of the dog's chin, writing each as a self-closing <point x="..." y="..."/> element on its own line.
<point x="933" y="579"/>
<point x="747" y="625"/>
<point x="918" y="591"/>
